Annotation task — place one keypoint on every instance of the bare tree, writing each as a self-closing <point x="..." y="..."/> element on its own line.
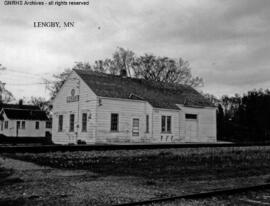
<point x="122" y="59"/>
<point x="164" y="69"/>
<point x="55" y="86"/>
<point x="5" y="95"/>
<point x="149" y="67"/>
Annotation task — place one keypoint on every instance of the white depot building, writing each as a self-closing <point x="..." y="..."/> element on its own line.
<point x="98" y="108"/>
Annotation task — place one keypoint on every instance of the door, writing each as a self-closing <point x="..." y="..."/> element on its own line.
<point x="135" y="127"/>
<point x="191" y="130"/>
<point x="17" y="128"/>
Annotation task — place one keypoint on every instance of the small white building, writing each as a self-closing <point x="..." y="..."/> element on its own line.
<point x="101" y="108"/>
<point x="22" y="121"/>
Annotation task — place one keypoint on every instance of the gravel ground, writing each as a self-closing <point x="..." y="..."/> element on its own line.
<point x="39" y="185"/>
<point x="112" y="180"/>
<point x="247" y="199"/>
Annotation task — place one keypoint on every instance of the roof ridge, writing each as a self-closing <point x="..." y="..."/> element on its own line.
<point x="132" y="78"/>
<point x="158" y="94"/>
<point x="21" y="109"/>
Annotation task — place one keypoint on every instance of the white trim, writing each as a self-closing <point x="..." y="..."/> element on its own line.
<point x="123" y="99"/>
<point x="196" y="107"/>
<point x="57" y="94"/>
<point x="165" y="109"/>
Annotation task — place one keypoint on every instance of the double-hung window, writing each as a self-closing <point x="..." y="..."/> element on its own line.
<point x="6" y="124"/>
<point x="60" y="123"/>
<point x="114" y="122"/>
<point x="166" y="124"/>
<point x="37" y="125"/>
<point x="84" y="122"/>
<point x="147" y="124"/>
<point x="71" y="122"/>
<point x="23" y="124"/>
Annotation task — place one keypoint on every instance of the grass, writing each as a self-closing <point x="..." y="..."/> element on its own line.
<point x="167" y="164"/>
<point x="4" y="173"/>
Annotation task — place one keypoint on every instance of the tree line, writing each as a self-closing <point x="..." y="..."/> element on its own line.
<point x="244" y="118"/>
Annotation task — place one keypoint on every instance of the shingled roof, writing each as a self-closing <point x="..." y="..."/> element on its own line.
<point x="19" y="106"/>
<point x="159" y="95"/>
<point x="23" y="112"/>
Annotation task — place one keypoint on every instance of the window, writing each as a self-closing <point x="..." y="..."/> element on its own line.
<point x="169" y="121"/>
<point x="6" y="124"/>
<point x="84" y="122"/>
<point x="18" y="124"/>
<point x="191" y="116"/>
<point x="166" y="124"/>
<point x="114" y="122"/>
<point x="71" y="122"/>
<point x="23" y="124"/>
<point x="49" y="124"/>
<point x="135" y="127"/>
<point x="163" y="124"/>
<point x="60" y="123"/>
<point x="37" y="125"/>
<point x="147" y="124"/>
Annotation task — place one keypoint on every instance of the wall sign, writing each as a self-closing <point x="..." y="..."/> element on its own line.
<point x="73" y="97"/>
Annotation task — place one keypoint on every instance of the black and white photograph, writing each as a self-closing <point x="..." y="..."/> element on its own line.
<point x="125" y="102"/>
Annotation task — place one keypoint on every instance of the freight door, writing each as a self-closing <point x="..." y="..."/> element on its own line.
<point x="191" y="127"/>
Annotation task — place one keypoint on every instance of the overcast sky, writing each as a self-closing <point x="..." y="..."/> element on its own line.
<point x="227" y="42"/>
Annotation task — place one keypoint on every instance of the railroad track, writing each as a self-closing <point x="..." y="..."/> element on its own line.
<point x="70" y="148"/>
<point x="199" y="195"/>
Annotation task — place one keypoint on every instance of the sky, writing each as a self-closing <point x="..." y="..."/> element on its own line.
<point x="226" y="42"/>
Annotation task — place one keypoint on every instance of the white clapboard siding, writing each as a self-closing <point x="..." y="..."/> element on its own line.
<point x="206" y="123"/>
<point x="127" y="110"/>
<point x="29" y="131"/>
<point x="99" y="110"/>
<point x="159" y="136"/>
<point x="87" y="104"/>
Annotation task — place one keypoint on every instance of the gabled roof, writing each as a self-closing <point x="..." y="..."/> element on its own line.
<point x="157" y="94"/>
<point x="25" y="114"/>
<point x="18" y="106"/>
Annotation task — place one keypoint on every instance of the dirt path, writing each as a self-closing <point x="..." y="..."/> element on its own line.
<point x="31" y="184"/>
<point x="28" y="171"/>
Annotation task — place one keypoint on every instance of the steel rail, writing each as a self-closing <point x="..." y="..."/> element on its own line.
<point x="201" y="195"/>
